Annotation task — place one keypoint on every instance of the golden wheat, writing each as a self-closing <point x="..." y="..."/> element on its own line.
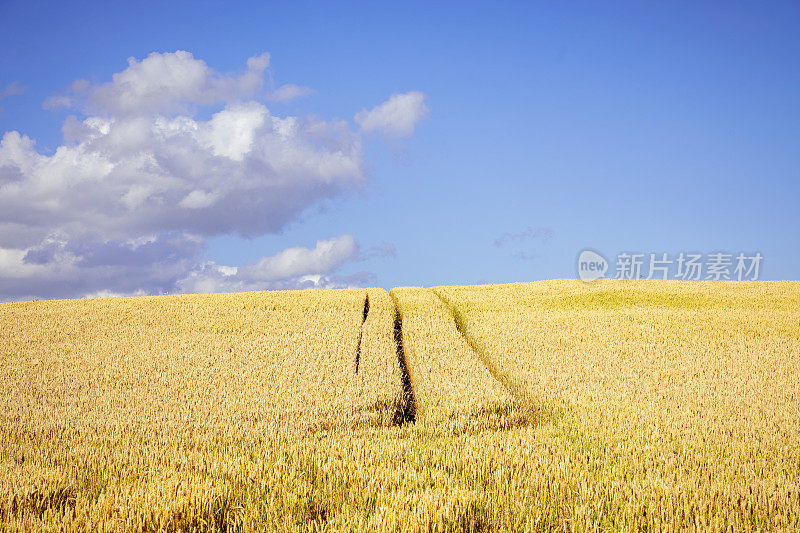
<point x="105" y="401"/>
<point x="661" y="405"/>
<point x="688" y="394"/>
<point x="453" y="389"/>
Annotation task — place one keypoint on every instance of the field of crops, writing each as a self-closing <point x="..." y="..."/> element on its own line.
<point x="539" y="406"/>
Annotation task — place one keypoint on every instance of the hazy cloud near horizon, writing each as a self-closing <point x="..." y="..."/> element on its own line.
<point x="124" y="205"/>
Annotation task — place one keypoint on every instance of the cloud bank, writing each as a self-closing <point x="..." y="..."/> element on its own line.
<point x="125" y="204"/>
<point x="296" y="267"/>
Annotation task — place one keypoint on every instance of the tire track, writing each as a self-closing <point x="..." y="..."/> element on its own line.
<point x="408" y="413"/>
<point x="361" y="331"/>
<point x="514" y="388"/>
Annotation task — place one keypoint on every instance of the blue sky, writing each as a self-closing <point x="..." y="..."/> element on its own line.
<point x="640" y="127"/>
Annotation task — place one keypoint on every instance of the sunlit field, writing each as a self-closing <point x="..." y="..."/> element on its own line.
<point x="538" y="406"/>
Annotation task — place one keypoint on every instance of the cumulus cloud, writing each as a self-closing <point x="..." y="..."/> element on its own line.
<point x="243" y="170"/>
<point x="296" y="267"/>
<point x="164" y="83"/>
<point x="397" y="117"/>
<point x="126" y="203"/>
<point x="299" y="261"/>
<point x="212" y="278"/>
<point x="65" y="268"/>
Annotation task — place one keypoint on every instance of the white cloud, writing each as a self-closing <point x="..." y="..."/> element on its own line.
<point x="397" y="117"/>
<point x="77" y="92"/>
<point x="125" y="204"/>
<point x="289" y="92"/>
<point x="56" y="101"/>
<point x="12" y="89"/>
<point x="296" y="267"/>
<point x="164" y="83"/>
<point x="112" y="294"/>
<point x="242" y="171"/>
<point x="231" y="132"/>
<point x="58" y="267"/>
<point x="198" y="199"/>
<point x="299" y="261"/>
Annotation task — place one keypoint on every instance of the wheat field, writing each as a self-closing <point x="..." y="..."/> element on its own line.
<point x="558" y="405"/>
